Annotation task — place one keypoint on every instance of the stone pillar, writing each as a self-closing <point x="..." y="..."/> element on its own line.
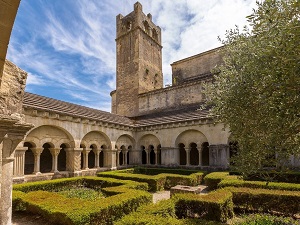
<point x="37" y="156"/>
<point x="200" y="156"/>
<point x="219" y="155"/>
<point x="114" y="158"/>
<point x="10" y="137"/>
<point x="19" y="163"/>
<point x="86" y="159"/>
<point x="148" y="157"/>
<point x="156" y="157"/>
<point x="54" y="153"/>
<point x="97" y="154"/>
<point x="188" y="160"/>
<point x="118" y="158"/>
<point x="125" y="158"/>
<point x="73" y="159"/>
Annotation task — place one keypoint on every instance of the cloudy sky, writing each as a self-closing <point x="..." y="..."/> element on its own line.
<point x="68" y="46"/>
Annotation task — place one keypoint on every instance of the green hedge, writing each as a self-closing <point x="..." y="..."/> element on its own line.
<point x="213" y="179"/>
<point x="156" y="182"/>
<point x="161" y="213"/>
<point x="59" y="209"/>
<point x="156" y="171"/>
<point x="233" y="182"/>
<point x="286" y="177"/>
<point x="266" y="201"/>
<point x="216" y="205"/>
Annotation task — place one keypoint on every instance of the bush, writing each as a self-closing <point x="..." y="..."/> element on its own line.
<point x="156" y="171"/>
<point x="215" y="206"/>
<point x="258" y="219"/>
<point x="266" y="201"/>
<point x="59" y="209"/>
<point x="156" y="182"/>
<point x="213" y="179"/>
<point x="233" y="182"/>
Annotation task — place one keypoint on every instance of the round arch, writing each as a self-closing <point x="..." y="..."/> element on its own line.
<point x="49" y="134"/>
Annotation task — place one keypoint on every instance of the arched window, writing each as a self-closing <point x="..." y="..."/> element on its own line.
<point x="29" y="159"/>
<point x="194" y="155"/>
<point x="182" y="154"/>
<point x="62" y="159"/>
<point x="147" y="27"/>
<point x="154" y="34"/>
<point x="144" y="155"/>
<point x="205" y="154"/>
<point x="46" y="159"/>
<point x="152" y="154"/>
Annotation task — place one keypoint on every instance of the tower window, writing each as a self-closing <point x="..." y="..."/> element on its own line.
<point x="154" y="34"/>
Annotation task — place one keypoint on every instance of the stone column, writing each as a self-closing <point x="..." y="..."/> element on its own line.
<point x="118" y="158"/>
<point x="10" y="137"/>
<point x="156" y="157"/>
<point x="125" y="158"/>
<point x="97" y="154"/>
<point x="54" y="153"/>
<point x="37" y="156"/>
<point x="188" y="160"/>
<point x="200" y="156"/>
<point x="213" y="154"/>
<point x="219" y="155"/>
<point x="114" y="158"/>
<point x="73" y="159"/>
<point x="19" y="163"/>
<point x="86" y="159"/>
<point x="148" y="157"/>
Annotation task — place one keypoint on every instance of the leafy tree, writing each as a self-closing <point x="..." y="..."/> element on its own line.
<point x="257" y="92"/>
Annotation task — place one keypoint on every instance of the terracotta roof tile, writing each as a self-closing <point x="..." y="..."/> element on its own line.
<point x="52" y="105"/>
<point x="171" y="115"/>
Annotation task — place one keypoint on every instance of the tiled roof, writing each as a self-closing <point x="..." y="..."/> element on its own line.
<point x="180" y="114"/>
<point x="171" y="115"/>
<point x="52" y="105"/>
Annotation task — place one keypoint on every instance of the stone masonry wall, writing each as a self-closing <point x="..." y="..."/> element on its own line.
<point x="196" y="65"/>
<point x="171" y="97"/>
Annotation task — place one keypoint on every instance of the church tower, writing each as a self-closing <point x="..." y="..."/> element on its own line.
<point x="139" y="60"/>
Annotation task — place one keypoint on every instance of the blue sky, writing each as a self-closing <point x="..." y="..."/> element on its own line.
<point x="68" y="46"/>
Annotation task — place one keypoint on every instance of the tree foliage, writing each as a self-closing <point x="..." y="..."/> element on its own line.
<point x="257" y="92"/>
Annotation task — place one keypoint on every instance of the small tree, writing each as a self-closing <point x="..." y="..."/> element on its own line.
<point x="257" y="92"/>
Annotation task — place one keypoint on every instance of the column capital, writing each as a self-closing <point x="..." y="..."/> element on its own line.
<point x="37" y="151"/>
<point x="54" y="151"/>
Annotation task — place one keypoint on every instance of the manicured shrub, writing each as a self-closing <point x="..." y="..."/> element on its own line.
<point x="264" y="219"/>
<point x="266" y="201"/>
<point x="216" y="205"/>
<point x="59" y="209"/>
<point x="156" y="171"/>
<point x="156" y="182"/>
<point x="233" y="182"/>
<point x="213" y="179"/>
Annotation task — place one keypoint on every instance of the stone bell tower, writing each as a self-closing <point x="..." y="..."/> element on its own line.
<point x="139" y="61"/>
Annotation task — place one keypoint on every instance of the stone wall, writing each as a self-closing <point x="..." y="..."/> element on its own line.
<point x="197" y="65"/>
<point x="175" y="96"/>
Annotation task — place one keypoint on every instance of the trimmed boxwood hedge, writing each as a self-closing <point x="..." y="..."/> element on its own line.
<point x="161" y="213"/>
<point x="74" y="211"/>
<point x="156" y="182"/>
<point x="156" y="171"/>
<point x="266" y="201"/>
<point x="217" y="205"/>
<point x="213" y="179"/>
<point x="231" y="181"/>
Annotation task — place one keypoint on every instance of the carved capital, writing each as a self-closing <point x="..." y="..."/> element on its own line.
<point x="54" y="151"/>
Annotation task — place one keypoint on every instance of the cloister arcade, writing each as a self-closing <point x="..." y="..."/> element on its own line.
<point x="54" y="150"/>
